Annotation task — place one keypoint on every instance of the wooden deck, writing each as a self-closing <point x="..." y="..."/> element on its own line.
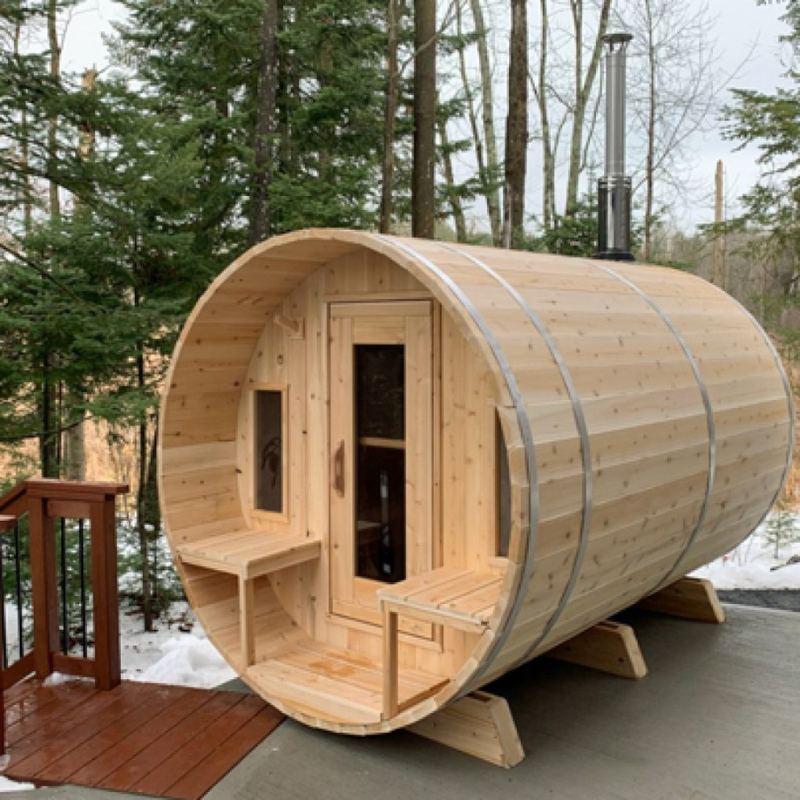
<point x="142" y="738"/>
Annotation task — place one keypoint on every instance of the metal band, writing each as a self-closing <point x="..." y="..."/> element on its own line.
<point x="712" y="437"/>
<point x="583" y="432"/>
<point x="527" y="438"/>
<point x="787" y="386"/>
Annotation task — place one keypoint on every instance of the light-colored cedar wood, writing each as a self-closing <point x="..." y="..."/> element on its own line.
<point x="529" y="343"/>
<point x="687" y="598"/>
<point x="456" y="600"/>
<point x="480" y="725"/>
<point x="249" y="553"/>
<point x="607" y="647"/>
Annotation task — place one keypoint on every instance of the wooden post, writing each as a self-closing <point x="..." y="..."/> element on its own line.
<point x="43" y="582"/>
<point x="390" y="663"/>
<point x="7" y="523"/>
<point x="104" y="587"/>
<point x="247" y="620"/>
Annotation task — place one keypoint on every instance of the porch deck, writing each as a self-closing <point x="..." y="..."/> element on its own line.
<point x="169" y="741"/>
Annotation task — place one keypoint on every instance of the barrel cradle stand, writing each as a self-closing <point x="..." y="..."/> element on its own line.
<point x="558" y="440"/>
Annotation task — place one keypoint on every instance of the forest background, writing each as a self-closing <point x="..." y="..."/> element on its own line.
<point x="211" y="126"/>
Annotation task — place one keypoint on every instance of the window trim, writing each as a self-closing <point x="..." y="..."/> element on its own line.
<point x="260" y="513"/>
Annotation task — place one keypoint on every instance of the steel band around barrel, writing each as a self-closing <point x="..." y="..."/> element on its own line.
<point x="527" y="438"/>
<point x="712" y="439"/>
<point x="583" y="432"/>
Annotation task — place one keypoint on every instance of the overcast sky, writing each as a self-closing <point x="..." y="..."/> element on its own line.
<point x="741" y="27"/>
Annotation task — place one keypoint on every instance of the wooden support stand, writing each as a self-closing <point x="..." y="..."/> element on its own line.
<point x="607" y="647"/>
<point x="688" y="598"/>
<point x="480" y="725"/>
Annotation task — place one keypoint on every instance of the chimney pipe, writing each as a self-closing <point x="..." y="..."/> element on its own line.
<point x="614" y="188"/>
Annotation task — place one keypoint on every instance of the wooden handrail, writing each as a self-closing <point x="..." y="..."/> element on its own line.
<point x="45" y="499"/>
<point x="54" y="489"/>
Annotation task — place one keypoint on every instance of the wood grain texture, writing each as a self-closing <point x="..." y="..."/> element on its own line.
<point x="138" y="737"/>
<point x="573" y="559"/>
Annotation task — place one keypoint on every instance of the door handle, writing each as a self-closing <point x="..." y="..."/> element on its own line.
<point x="338" y="469"/>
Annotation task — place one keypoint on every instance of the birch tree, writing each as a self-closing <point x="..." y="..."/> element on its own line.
<point x="673" y="89"/>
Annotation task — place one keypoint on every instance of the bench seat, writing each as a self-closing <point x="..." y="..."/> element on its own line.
<point x="249" y="553"/>
<point x="460" y="599"/>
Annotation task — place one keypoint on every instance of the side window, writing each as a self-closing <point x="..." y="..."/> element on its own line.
<point x="503" y="494"/>
<point x="269" y="410"/>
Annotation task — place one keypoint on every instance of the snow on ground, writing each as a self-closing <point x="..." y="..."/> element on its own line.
<point x="7" y="785"/>
<point x="177" y="652"/>
<point x="754" y="564"/>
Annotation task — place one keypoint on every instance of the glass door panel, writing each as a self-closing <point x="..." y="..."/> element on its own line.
<point x="381" y="441"/>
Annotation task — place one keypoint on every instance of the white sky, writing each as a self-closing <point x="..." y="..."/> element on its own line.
<point x="741" y="27"/>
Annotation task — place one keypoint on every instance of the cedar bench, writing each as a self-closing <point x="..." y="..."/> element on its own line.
<point x="460" y="599"/>
<point x="248" y="554"/>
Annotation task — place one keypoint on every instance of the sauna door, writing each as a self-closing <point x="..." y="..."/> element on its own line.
<point x="381" y="407"/>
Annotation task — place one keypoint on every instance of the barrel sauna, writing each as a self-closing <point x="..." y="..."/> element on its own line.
<point x="456" y="456"/>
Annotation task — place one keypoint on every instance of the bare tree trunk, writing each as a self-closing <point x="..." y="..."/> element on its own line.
<point x="27" y="203"/>
<point x="266" y="122"/>
<point x="49" y="439"/>
<point x="75" y="435"/>
<point x="452" y="192"/>
<point x="584" y="83"/>
<point x="541" y="94"/>
<point x="516" y="128"/>
<point x="492" y="169"/>
<point x="141" y="499"/>
<point x="483" y="175"/>
<point x="424" y="167"/>
<point x="719" y="241"/>
<point x="52" y="131"/>
<point x="647" y="249"/>
<point x="390" y="115"/>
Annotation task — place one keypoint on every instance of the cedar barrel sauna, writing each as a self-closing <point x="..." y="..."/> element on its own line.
<point x="394" y="469"/>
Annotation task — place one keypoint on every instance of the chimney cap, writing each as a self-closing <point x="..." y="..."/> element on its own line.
<point x="619" y="38"/>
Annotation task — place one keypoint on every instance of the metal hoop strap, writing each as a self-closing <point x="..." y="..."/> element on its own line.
<point x="787" y="386"/>
<point x="712" y="435"/>
<point x="525" y="429"/>
<point x="583" y="432"/>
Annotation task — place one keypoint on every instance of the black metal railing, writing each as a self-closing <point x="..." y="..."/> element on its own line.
<point x="15" y="593"/>
<point x="74" y="587"/>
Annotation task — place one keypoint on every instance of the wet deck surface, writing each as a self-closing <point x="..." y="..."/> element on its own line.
<point x="168" y="741"/>
<point x="717" y="718"/>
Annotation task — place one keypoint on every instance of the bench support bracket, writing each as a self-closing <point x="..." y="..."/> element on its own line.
<point x="480" y="725"/>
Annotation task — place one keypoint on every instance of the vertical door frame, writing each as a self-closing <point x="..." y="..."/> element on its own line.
<point x="413" y="324"/>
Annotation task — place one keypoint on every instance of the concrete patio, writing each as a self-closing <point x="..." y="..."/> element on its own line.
<point x="717" y="717"/>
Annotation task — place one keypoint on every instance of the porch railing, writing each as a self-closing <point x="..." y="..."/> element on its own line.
<point x="49" y="529"/>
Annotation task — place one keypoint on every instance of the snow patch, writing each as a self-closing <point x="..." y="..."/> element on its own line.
<point x="754" y="565"/>
<point x="7" y="785"/>
<point x="188" y="660"/>
<point x="57" y="678"/>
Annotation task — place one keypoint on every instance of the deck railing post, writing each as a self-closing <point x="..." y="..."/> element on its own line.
<point x="7" y="523"/>
<point x="44" y="586"/>
<point x="106" y="602"/>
